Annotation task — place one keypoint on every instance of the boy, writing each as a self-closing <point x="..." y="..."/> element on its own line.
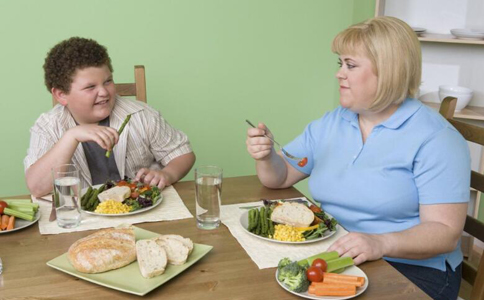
<point x="84" y="126"/>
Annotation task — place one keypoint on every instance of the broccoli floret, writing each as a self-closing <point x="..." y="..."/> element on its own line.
<point x="283" y="262"/>
<point x="294" y="277"/>
<point x="298" y="283"/>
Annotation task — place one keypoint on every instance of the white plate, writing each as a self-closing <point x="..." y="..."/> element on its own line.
<point x="353" y="270"/>
<point x="468" y="34"/>
<point x="244" y="222"/>
<point x="419" y="29"/>
<point x="158" y="201"/>
<point x="21" y="224"/>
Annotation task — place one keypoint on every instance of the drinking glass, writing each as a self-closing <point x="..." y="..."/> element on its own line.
<point x="208" y="190"/>
<point x="66" y="195"/>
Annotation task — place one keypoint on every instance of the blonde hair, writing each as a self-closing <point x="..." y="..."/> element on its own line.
<point x="394" y="50"/>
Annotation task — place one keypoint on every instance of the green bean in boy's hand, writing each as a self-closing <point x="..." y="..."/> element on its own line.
<point x="108" y="153"/>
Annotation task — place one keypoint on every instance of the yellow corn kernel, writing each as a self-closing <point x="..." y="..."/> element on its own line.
<point x="287" y="233"/>
<point x="112" y="207"/>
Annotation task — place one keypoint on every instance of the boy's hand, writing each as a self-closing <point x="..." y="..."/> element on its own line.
<point x="154" y="178"/>
<point x="258" y="146"/>
<point x="105" y="137"/>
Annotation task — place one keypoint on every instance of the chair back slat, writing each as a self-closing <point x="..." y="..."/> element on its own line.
<point x="477" y="181"/>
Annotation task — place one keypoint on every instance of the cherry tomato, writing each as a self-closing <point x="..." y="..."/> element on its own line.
<point x="315" y="274"/>
<point x="303" y="162"/>
<point x="134" y="195"/>
<point x="320" y="263"/>
<point x="3" y="205"/>
<point x="122" y="183"/>
<point x="314" y="208"/>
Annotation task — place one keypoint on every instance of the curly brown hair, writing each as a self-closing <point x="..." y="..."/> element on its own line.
<point x="68" y="56"/>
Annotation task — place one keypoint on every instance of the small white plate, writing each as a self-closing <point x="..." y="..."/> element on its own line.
<point x="21" y="224"/>
<point x="244" y="222"/>
<point x="159" y="199"/>
<point x="468" y="34"/>
<point x="419" y="29"/>
<point x="353" y="270"/>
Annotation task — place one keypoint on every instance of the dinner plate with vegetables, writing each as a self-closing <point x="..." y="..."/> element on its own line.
<point x="322" y="276"/>
<point x="16" y="214"/>
<point x="120" y="198"/>
<point x="288" y="222"/>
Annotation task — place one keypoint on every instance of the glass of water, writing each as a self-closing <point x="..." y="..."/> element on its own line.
<point x="208" y="190"/>
<point x="66" y="195"/>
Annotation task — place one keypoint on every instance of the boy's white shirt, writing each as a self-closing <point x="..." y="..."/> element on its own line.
<point x="50" y="127"/>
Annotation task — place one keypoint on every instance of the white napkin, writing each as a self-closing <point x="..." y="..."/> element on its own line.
<point x="171" y="208"/>
<point x="267" y="254"/>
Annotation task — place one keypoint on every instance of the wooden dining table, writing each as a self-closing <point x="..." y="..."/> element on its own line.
<point x="226" y="272"/>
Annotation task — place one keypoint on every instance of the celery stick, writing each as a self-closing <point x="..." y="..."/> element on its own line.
<point x="22" y="203"/>
<point x="18" y="214"/>
<point x="327" y="256"/>
<point x="24" y="209"/>
<point x="339" y="263"/>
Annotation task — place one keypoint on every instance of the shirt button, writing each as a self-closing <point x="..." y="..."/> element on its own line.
<point x="354" y="156"/>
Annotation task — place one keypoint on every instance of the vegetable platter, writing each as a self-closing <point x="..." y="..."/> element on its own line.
<point x="139" y="198"/>
<point x="16" y="214"/>
<point x="260" y="222"/>
<point x="323" y="276"/>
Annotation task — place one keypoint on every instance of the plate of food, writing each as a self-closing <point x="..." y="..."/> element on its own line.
<point x="288" y="222"/>
<point x="130" y="268"/>
<point x="120" y="198"/>
<point x="17" y="214"/>
<point x="333" y="278"/>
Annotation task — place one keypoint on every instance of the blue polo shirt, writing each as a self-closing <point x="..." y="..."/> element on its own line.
<point x="413" y="158"/>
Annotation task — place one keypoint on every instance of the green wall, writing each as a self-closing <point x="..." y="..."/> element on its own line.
<point x="209" y="65"/>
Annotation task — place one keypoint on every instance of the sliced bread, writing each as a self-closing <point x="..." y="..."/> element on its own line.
<point x="293" y="214"/>
<point x="176" y="251"/>
<point x="152" y="258"/>
<point x="186" y="241"/>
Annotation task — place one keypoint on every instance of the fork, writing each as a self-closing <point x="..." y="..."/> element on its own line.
<point x="280" y="147"/>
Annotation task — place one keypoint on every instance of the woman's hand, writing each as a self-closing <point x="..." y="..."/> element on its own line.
<point x="360" y="246"/>
<point x="259" y="146"/>
<point x="105" y="137"/>
<point x="154" y="178"/>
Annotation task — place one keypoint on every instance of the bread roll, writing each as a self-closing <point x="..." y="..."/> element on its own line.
<point x="103" y="250"/>
<point x="293" y="214"/>
<point x="176" y="251"/>
<point x="151" y="258"/>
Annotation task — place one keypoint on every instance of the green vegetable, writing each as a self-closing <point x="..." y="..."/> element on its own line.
<point x="91" y="202"/>
<point x="293" y="276"/>
<point x="25" y="209"/>
<point x="24" y="203"/>
<point x="86" y="197"/>
<point x="317" y="232"/>
<point x="263" y="221"/>
<point x="256" y="221"/>
<point x="327" y="256"/>
<point x="339" y="263"/>
<point x="108" y="153"/>
<point x="18" y="214"/>
<point x="283" y="262"/>
<point x="251" y="220"/>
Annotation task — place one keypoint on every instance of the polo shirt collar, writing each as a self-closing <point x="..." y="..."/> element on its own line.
<point x="408" y="107"/>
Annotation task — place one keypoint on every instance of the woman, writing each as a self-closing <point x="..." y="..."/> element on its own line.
<point x="392" y="171"/>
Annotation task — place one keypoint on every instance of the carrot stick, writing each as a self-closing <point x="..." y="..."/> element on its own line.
<point x="325" y="289"/>
<point x="4" y="223"/>
<point x="11" y="223"/>
<point x="341" y="278"/>
<point x="347" y="277"/>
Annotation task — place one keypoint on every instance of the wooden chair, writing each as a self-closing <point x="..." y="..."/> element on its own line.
<point x="136" y="89"/>
<point x="474" y="276"/>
